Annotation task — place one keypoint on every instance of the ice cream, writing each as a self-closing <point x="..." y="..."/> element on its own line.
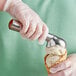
<point x="54" y="55"/>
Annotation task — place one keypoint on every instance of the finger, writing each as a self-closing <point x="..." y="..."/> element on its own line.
<point x="30" y="30"/>
<point x="26" y="23"/>
<point x="43" y="35"/>
<point x="61" y="66"/>
<point x="23" y="18"/>
<point x="66" y="72"/>
<point x="37" y="32"/>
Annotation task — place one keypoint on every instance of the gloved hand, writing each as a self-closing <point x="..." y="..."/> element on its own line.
<point x="66" y="68"/>
<point x="33" y="27"/>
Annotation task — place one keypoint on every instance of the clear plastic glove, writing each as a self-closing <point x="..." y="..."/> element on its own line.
<point x="33" y="27"/>
<point x="66" y="68"/>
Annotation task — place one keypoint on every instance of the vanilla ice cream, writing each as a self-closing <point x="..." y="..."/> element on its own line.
<point x="54" y="55"/>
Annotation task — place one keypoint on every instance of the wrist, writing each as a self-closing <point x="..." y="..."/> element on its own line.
<point x="15" y="7"/>
<point x="9" y="4"/>
<point x="2" y="3"/>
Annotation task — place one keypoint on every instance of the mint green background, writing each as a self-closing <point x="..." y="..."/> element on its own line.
<point x="19" y="57"/>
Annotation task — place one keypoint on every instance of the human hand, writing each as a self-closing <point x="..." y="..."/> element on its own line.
<point x="66" y="68"/>
<point x="33" y="27"/>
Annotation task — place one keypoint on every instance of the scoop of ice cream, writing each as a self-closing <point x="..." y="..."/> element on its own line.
<point x="55" y="50"/>
<point x="54" y="54"/>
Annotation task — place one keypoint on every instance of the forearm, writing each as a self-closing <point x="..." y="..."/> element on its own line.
<point x="2" y="3"/>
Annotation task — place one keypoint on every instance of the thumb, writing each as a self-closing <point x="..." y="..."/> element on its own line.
<point x="61" y="66"/>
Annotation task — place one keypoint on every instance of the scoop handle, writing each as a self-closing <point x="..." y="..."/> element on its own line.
<point x="15" y="25"/>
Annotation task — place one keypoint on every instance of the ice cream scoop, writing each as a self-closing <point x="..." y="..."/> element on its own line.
<point x="51" y="39"/>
